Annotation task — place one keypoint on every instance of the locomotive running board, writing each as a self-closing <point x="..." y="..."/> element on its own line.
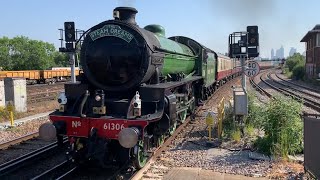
<point x="172" y="84"/>
<point x="156" y="92"/>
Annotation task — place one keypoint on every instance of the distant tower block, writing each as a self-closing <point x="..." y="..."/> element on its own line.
<point x="16" y="92"/>
<point x="2" y="95"/>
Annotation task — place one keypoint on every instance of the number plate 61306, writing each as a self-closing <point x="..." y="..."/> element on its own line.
<point x="113" y="126"/>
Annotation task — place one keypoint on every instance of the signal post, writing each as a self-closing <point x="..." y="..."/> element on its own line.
<point x="244" y="45"/>
<point x="71" y="42"/>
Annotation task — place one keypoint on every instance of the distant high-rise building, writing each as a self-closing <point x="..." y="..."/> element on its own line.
<point x="281" y="53"/>
<point x="277" y="54"/>
<point x="292" y="51"/>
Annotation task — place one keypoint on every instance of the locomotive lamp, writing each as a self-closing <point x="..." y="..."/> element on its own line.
<point x="62" y="100"/>
<point x="98" y="105"/>
<point x="97" y="98"/>
<point x="136" y="105"/>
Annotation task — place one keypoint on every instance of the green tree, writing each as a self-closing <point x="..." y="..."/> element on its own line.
<point x="61" y="59"/>
<point x="293" y="60"/>
<point x="5" y="58"/>
<point x="298" y="71"/>
<point x="22" y="53"/>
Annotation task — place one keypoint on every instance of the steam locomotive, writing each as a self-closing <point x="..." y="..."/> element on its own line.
<point x="137" y="86"/>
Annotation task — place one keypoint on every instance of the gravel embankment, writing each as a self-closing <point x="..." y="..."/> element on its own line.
<point x="21" y="130"/>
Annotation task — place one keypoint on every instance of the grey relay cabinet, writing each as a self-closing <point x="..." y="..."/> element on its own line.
<point x="240" y="102"/>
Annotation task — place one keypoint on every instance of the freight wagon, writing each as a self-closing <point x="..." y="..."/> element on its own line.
<point x="41" y="76"/>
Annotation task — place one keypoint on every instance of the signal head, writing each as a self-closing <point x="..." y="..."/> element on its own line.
<point x="252" y="29"/>
<point x="253" y="36"/>
<point x="69" y="32"/>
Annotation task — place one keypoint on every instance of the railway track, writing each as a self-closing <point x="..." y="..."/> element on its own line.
<point x="259" y="88"/>
<point x="287" y="91"/>
<point x="43" y="93"/>
<point x="15" y="167"/>
<point x="299" y="85"/>
<point x="309" y="100"/>
<point x="36" y="88"/>
<point x="19" y="140"/>
<point x="60" y="171"/>
<point x="43" y="96"/>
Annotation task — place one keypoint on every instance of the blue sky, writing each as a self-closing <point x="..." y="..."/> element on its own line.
<point x="281" y="22"/>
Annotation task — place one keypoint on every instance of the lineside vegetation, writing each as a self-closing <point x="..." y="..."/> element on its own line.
<point x="295" y="66"/>
<point x="279" y="121"/>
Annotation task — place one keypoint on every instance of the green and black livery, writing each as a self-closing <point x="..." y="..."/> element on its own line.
<point x="172" y="75"/>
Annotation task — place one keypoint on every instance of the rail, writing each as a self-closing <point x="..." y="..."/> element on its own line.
<point x="59" y="171"/>
<point x="299" y="85"/>
<point x="258" y="88"/>
<point x="18" y="140"/>
<point x="307" y="102"/>
<point x="26" y="159"/>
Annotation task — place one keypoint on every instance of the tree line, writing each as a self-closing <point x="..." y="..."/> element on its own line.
<point x="22" y="53"/>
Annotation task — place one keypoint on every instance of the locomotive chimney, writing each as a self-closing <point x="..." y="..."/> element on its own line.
<point x="127" y="14"/>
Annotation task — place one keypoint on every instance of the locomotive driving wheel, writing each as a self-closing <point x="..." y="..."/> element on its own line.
<point x="182" y="116"/>
<point x="140" y="157"/>
<point x="192" y="107"/>
<point x="160" y="140"/>
<point x="172" y="128"/>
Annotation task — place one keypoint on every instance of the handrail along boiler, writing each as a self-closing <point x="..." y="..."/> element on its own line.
<point x="137" y="86"/>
